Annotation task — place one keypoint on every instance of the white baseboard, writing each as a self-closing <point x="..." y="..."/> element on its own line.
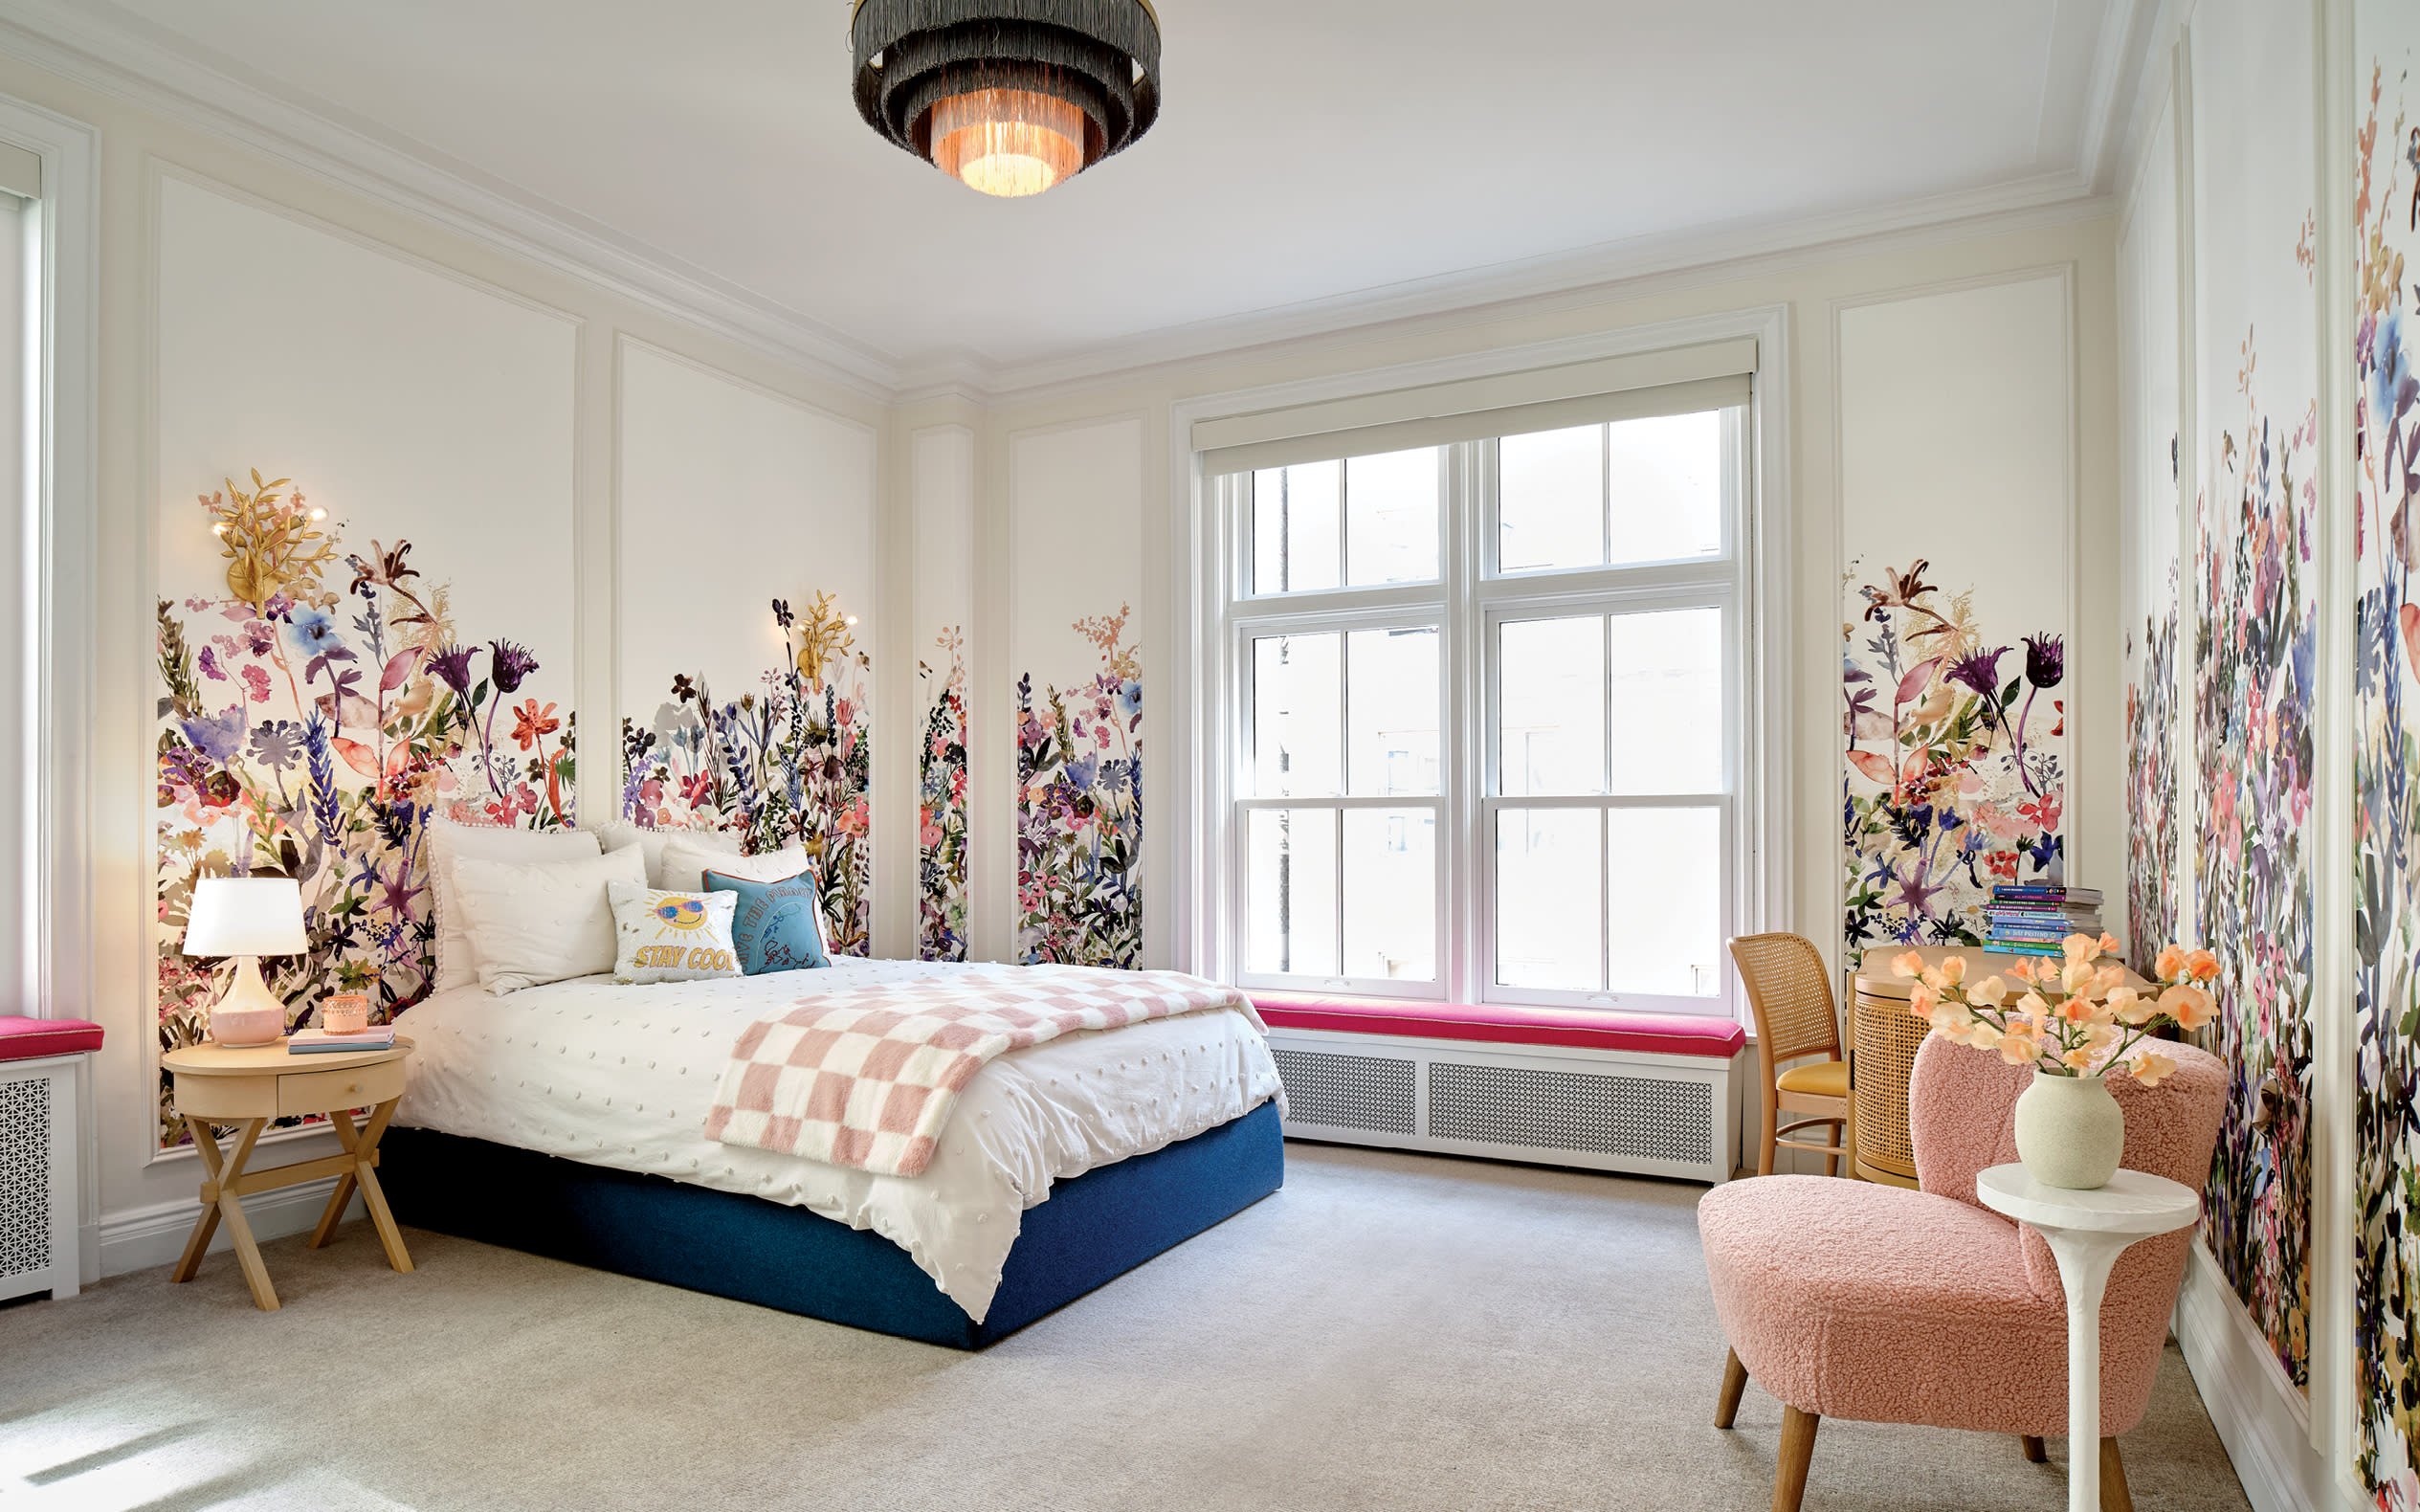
<point x="2261" y="1417"/>
<point x="143" y="1237"/>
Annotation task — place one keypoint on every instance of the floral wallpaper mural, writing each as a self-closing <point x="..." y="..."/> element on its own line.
<point x="2387" y="777"/>
<point x="2256" y="650"/>
<point x="2151" y="783"/>
<point x="1952" y="783"/>
<point x="2252" y="637"/>
<point x="1079" y="809"/>
<point x="789" y="762"/>
<point x="315" y="709"/>
<point x="941" y="814"/>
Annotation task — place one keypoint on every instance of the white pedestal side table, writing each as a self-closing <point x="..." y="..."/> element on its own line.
<point x="2086" y="1232"/>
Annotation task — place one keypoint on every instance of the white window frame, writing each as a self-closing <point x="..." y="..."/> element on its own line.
<point x="1216" y="627"/>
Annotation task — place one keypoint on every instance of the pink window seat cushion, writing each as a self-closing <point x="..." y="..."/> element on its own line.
<point x="24" y="1038"/>
<point x="1589" y="1029"/>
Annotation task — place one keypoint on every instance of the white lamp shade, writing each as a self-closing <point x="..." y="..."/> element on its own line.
<point x="246" y="916"/>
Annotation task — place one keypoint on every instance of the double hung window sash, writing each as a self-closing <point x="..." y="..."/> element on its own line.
<point x="1487" y="706"/>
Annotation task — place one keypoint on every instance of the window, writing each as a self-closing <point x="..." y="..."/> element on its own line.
<point x="1486" y="696"/>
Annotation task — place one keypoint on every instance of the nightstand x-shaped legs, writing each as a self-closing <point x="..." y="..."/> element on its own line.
<point x="230" y="1183"/>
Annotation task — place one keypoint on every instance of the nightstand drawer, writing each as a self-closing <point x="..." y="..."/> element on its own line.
<point x="323" y="1091"/>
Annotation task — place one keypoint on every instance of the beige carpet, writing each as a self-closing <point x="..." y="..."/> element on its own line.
<point x="1390" y="1331"/>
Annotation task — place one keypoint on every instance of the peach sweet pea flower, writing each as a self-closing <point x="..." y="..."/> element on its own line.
<point x="2081" y="1058"/>
<point x="2203" y="965"/>
<point x="2130" y="1006"/>
<point x="1962" y="1027"/>
<point x="2171" y="964"/>
<point x="2108" y="944"/>
<point x="2149" y="1066"/>
<point x="2189" y="1005"/>
<point x="1908" y="963"/>
<point x="2079" y="974"/>
<point x="2019" y="1046"/>
<point x="2023" y="970"/>
<point x="2112" y="977"/>
<point x="2033" y="1007"/>
<point x="1934" y="978"/>
<point x="1990" y="992"/>
<point x="1921" y="1000"/>
<point x="2080" y="947"/>
<point x="1953" y="970"/>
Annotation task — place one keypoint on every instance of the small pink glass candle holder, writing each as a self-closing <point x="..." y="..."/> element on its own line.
<point x="345" y="1013"/>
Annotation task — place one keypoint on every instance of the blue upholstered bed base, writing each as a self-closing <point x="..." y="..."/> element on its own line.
<point x="1092" y="1229"/>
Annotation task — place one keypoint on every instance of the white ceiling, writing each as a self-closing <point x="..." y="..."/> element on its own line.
<point x="1309" y="153"/>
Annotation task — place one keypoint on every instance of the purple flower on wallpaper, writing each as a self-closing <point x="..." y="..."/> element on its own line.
<point x="218" y="739"/>
<point x="2045" y="660"/>
<point x="510" y="664"/>
<point x="452" y="667"/>
<point x="1981" y="672"/>
<point x="208" y="661"/>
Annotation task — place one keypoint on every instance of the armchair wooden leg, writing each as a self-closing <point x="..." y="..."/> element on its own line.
<point x="2114" y="1495"/>
<point x="1798" y="1451"/>
<point x="1733" y="1381"/>
<point x="2034" y="1452"/>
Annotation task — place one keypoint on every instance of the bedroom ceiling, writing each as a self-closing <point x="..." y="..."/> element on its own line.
<point x="1312" y="152"/>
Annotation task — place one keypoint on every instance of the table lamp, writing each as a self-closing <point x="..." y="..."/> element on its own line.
<point x="247" y="918"/>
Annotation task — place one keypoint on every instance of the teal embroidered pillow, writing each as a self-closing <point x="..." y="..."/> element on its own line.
<point x="776" y="926"/>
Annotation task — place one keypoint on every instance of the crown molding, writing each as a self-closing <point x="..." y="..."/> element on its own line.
<point x="121" y="56"/>
<point x="1617" y="271"/>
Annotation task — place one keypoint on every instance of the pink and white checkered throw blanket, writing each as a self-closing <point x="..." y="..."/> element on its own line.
<point x="868" y="1079"/>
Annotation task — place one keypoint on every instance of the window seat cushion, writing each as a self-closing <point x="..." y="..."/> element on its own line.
<point x="1496" y="1023"/>
<point x="23" y="1038"/>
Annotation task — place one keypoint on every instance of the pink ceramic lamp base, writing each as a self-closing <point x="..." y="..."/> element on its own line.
<point x="249" y="1013"/>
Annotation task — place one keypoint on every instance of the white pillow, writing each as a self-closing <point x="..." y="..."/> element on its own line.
<point x="621" y="833"/>
<point x="449" y="842"/>
<point x="671" y="936"/>
<point x="685" y="866"/>
<point x="544" y="923"/>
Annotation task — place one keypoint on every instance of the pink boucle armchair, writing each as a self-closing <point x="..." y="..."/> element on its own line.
<point x="1847" y="1300"/>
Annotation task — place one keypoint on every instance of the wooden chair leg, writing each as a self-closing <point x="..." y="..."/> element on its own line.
<point x="2034" y="1452"/>
<point x="1765" y="1160"/>
<point x="1833" y="1136"/>
<point x="1733" y="1381"/>
<point x="1798" y="1451"/>
<point x="2114" y="1495"/>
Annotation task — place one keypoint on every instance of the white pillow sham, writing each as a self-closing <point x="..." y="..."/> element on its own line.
<point x="670" y="936"/>
<point x="621" y="833"/>
<point x="534" y="925"/>
<point x="685" y="865"/>
<point x="449" y="842"/>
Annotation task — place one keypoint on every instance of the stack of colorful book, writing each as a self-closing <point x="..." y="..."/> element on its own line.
<point x="319" y="1042"/>
<point x="2027" y="919"/>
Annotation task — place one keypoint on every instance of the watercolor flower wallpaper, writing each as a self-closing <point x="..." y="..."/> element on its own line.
<point x="2255" y="653"/>
<point x="1079" y="809"/>
<point x="940" y="813"/>
<point x="789" y="760"/>
<point x="2151" y="796"/>
<point x="2387" y="789"/>
<point x="1953" y="780"/>
<point x="310" y="720"/>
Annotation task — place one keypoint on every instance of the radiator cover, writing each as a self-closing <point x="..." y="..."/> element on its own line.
<point x="1656" y="1115"/>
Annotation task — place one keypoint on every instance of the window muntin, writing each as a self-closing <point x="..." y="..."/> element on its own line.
<point x="1580" y="844"/>
<point x="1353" y="522"/>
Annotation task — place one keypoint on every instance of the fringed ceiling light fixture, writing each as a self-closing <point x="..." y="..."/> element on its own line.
<point x="1009" y="97"/>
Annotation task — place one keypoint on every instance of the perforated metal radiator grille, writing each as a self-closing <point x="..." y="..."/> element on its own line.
<point x="1607" y="1115"/>
<point x="1349" y="1092"/>
<point x="25" y="1176"/>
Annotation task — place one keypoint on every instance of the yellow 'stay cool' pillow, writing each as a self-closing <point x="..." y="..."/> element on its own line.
<point x="671" y="937"/>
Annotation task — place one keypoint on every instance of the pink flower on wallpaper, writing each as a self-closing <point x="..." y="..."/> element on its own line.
<point x="256" y="682"/>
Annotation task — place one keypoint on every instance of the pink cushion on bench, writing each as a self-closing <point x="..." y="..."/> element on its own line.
<point x="24" y="1038"/>
<point x="1591" y="1029"/>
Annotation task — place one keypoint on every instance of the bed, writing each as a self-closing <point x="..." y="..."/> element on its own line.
<point x="567" y="1119"/>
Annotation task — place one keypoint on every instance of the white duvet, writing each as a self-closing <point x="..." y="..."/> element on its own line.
<point x="623" y="1076"/>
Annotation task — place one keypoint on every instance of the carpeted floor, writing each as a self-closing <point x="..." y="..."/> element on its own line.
<point x="1390" y="1331"/>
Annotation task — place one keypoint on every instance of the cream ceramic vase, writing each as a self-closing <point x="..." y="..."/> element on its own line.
<point x="2070" y="1131"/>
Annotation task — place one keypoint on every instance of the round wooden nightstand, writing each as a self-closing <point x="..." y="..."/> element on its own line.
<point x="248" y="1088"/>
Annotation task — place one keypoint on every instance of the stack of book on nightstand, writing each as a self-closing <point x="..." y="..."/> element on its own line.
<point x="319" y="1042"/>
<point x="2029" y="919"/>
